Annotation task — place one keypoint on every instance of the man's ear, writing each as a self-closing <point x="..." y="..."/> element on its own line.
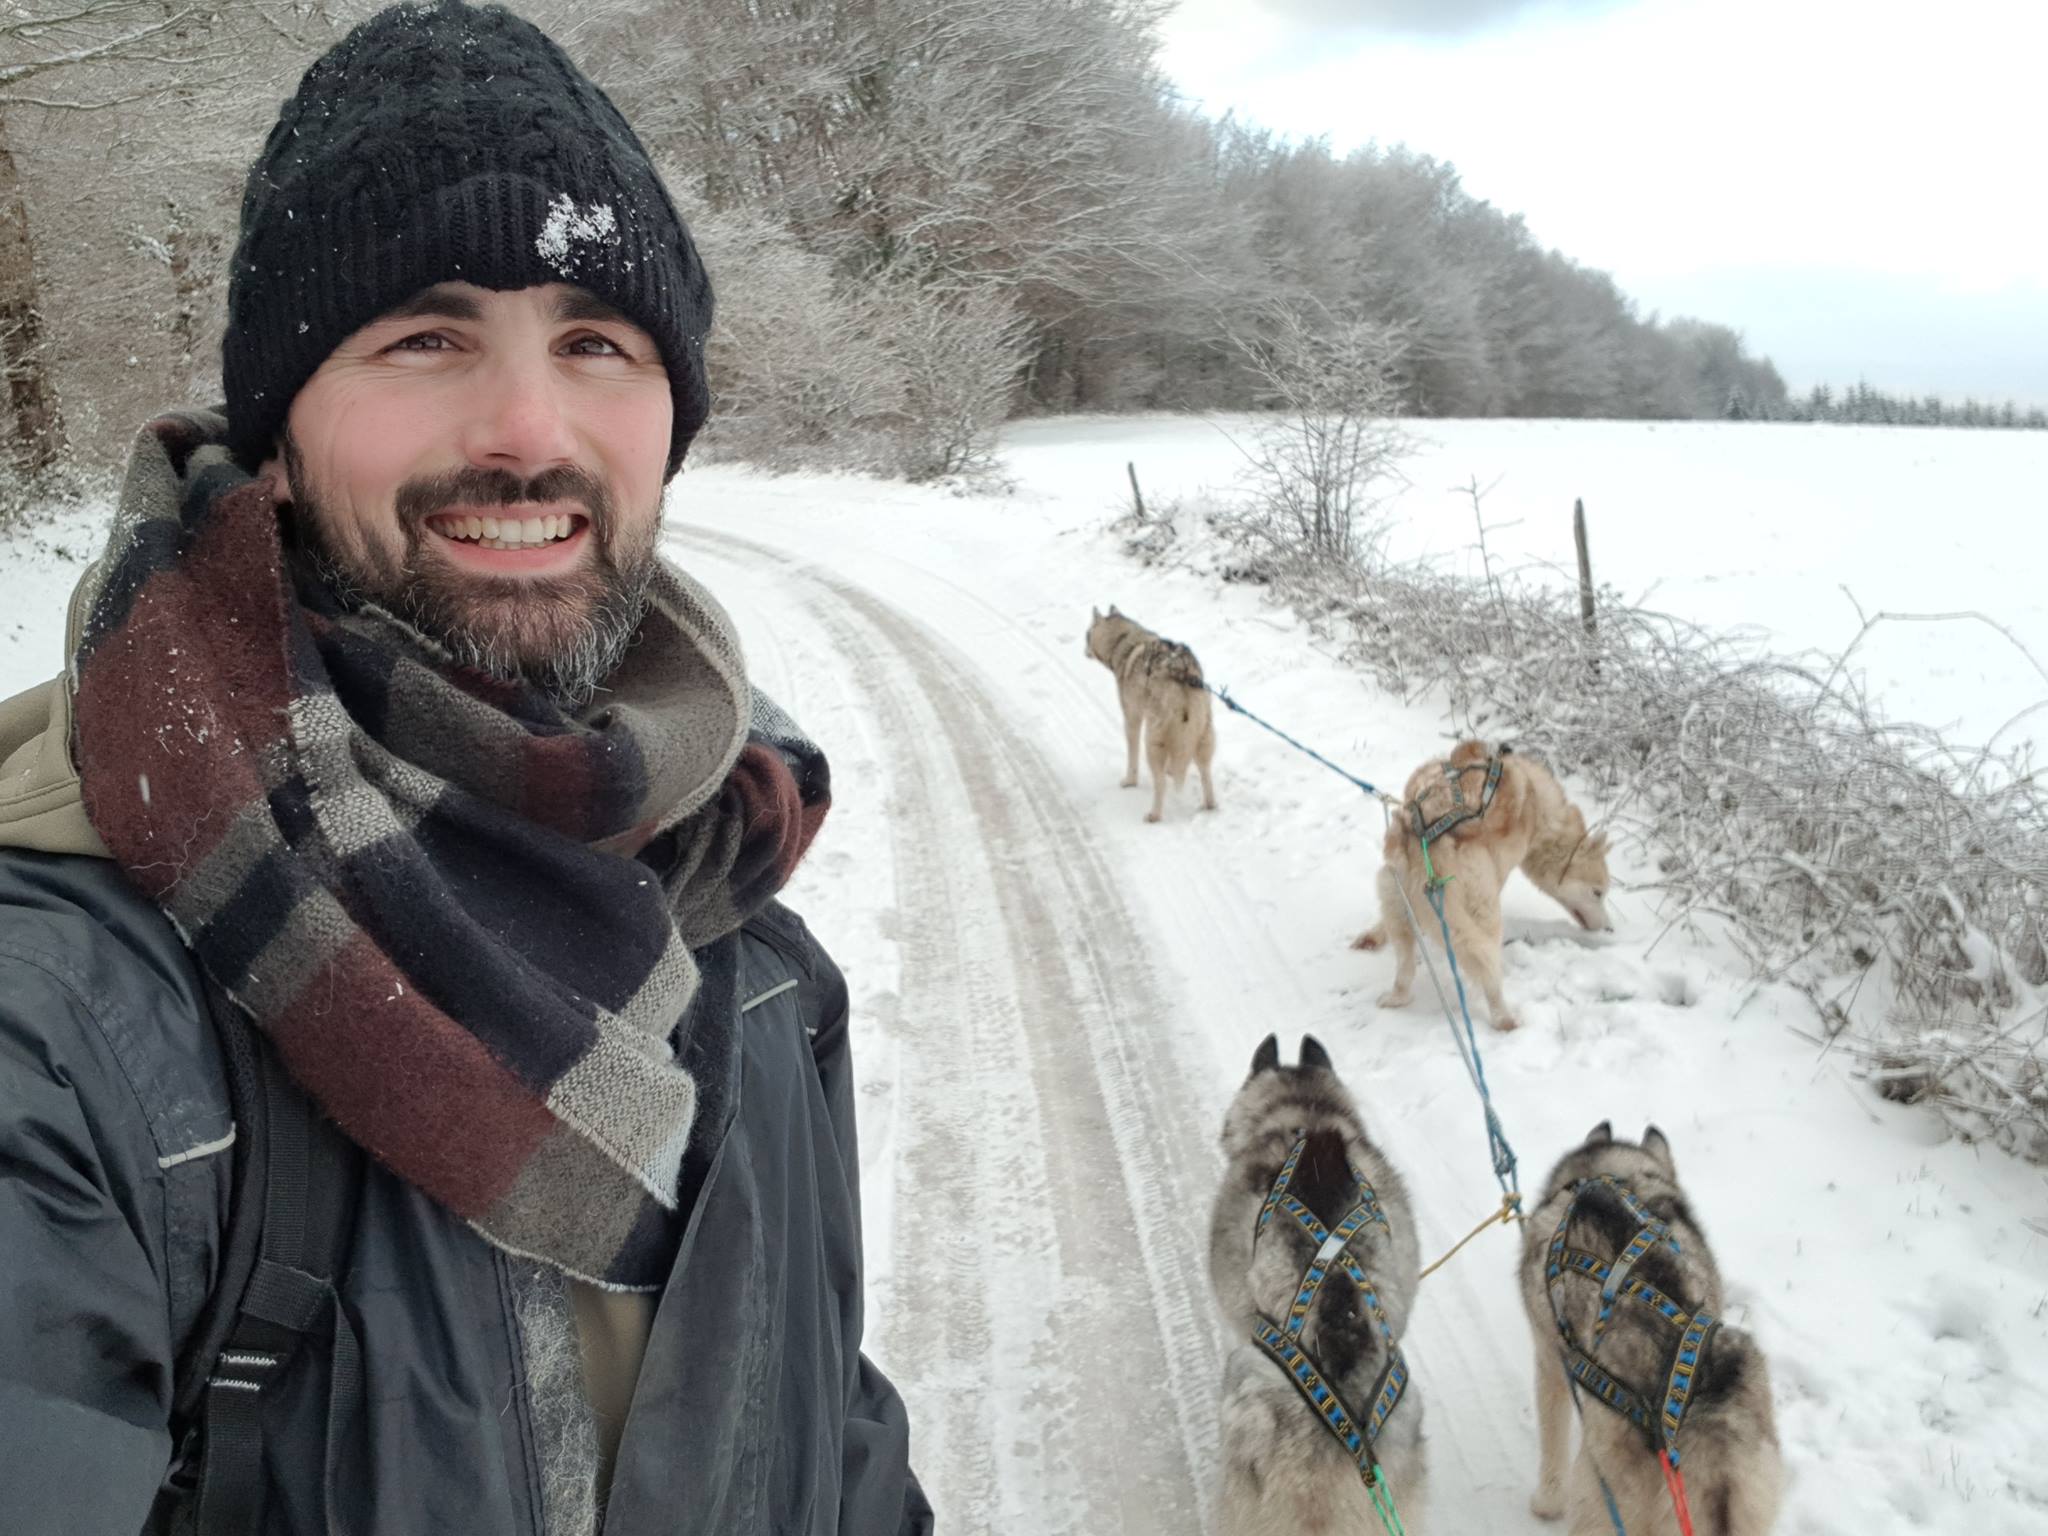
<point x="271" y="473"/>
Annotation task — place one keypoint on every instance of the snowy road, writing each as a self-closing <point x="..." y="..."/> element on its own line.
<point x="1049" y="1313"/>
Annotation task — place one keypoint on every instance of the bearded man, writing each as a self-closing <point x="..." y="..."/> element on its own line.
<point x="416" y="1112"/>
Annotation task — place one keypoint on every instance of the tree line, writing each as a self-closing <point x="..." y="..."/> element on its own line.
<point x="921" y="215"/>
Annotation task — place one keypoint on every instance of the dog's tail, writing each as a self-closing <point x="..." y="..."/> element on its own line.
<point x="1729" y="1445"/>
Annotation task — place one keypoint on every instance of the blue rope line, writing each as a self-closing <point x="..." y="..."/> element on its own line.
<point x="1613" y="1510"/>
<point x="1223" y="694"/>
<point x="1501" y="1154"/>
<point x="1606" y="1493"/>
<point x="1504" y="1162"/>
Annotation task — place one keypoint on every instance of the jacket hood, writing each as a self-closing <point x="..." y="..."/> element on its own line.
<point x="41" y="807"/>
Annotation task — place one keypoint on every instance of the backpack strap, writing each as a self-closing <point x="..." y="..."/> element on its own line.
<point x="292" y="1215"/>
<point x="244" y="1227"/>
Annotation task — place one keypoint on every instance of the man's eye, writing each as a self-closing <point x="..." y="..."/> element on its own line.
<point x="425" y="341"/>
<point x="591" y="345"/>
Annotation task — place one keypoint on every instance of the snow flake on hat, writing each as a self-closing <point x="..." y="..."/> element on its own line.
<point x="569" y="225"/>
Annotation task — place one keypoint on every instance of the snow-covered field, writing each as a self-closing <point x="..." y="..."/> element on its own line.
<point x="1055" y="1000"/>
<point x="1735" y="526"/>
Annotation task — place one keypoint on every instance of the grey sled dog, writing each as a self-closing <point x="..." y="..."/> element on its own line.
<point x="1159" y="685"/>
<point x="1727" y="1443"/>
<point x="1284" y="1472"/>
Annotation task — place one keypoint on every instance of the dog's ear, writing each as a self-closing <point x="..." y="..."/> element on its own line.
<point x="1313" y="1054"/>
<point x="1597" y="843"/>
<point x="1094" y="614"/>
<point x="1113" y="613"/>
<point x="1267" y="1057"/>
<point x="1659" y="1150"/>
<point x="1601" y="1134"/>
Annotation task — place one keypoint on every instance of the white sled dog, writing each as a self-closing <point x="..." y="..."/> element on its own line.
<point x="1662" y="1371"/>
<point x="1485" y="812"/>
<point x="1159" y="684"/>
<point x="1308" y="1209"/>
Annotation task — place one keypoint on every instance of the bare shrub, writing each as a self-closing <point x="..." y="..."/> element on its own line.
<point x="1150" y="533"/>
<point x="799" y="376"/>
<point x="815" y="369"/>
<point x="1316" y="474"/>
<point x="958" y="354"/>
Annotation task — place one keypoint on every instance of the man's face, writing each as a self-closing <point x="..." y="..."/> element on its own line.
<point x="489" y="466"/>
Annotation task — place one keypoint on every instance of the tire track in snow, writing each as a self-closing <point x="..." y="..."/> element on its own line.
<point x="1051" y="1319"/>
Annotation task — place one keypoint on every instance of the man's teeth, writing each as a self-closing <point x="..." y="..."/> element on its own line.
<point x="506" y="532"/>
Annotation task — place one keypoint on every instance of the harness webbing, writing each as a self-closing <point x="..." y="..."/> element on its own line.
<point x="1283" y="1343"/>
<point x="1460" y="812"/>
<point x="1656" y="1419"/>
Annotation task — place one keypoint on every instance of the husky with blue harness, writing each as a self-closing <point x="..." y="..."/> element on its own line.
<point x="1626" y="1308"/>
<point x="1313" y="1259"/>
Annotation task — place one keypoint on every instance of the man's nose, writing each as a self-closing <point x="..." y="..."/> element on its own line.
<point x="517" y="421"/>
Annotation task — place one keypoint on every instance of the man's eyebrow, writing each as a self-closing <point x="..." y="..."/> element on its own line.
<point x="579" y="304"/>
<point x="440" y="302"/>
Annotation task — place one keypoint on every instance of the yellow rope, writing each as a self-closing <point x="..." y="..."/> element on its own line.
<point x="1510" y="1210"/>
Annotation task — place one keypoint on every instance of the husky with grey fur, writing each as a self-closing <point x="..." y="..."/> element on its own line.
<point x="1284" y="1472"/>
<point x="1727" y="1444"/>
<point x="1159" y="685"/>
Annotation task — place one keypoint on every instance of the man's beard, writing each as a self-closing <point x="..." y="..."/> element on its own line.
<point x="563" y="635"/>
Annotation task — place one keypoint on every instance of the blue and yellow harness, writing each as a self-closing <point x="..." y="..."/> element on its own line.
<point x="1659" y="1422"/>
<point x="1695" y="1330"/>
<point x="1282" y="1341"/>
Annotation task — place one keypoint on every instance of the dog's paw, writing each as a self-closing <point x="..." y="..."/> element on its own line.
<point x="1505" y="1022"/>
<point x="1130" y="783"/>
<point x="1151" y="816"/>
<point x="1397" y="997"/>
<point x="1547" y="1503"/>
<point x="1372" y="938"/>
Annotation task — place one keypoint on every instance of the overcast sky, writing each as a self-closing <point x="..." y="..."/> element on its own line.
<point x="1855" y="185"/>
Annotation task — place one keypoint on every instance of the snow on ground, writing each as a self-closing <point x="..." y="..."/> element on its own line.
<point x="1054" y="1000"/>
<point x="39" y="563"/>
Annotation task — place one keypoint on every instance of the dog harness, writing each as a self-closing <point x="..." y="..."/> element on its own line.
<point x="1460" y="812"/>
<point x="1696" y="1330"/>
<point x="1282" y="1341"/>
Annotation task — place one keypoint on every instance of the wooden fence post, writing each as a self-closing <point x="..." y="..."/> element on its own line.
<point x="1585" y="567"/>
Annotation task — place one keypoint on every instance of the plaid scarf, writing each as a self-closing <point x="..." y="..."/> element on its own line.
<point x="464" y="917"/>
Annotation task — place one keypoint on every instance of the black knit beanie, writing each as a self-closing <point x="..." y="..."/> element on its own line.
<point x="447" y="143"/>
